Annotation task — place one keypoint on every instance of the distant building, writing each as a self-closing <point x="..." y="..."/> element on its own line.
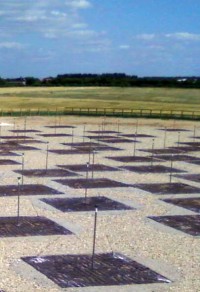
<point x="182" y="79"/>
<point x="47" y="79"/>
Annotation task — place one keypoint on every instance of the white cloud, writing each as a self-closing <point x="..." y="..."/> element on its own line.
<point x="42" y="55"/>
<point x="156" y="47"/>
<point x="145" y="36"/>
<point x="176" y="52"/>
<point x="11" y="45"/>
<point x="176" y="35"/>
<point x="124" y="47"/>
<point x="78" y="4"/>
<point x="53" y="19"/>
<point x="81" y="33"/>
<point x="184" y="36"/>
<point x="79" y="25"/>
<point x="37" y="16"/>
<point x="58" y="13"/>
<point x="31" y="17"/>
<point x="94" y="44"/>
<point x="2" y="13"/>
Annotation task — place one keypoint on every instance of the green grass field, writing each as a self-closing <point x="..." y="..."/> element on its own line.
<point x="99" y="97"/>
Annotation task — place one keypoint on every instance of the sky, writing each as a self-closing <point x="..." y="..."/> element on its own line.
<point x="44" y="38"/>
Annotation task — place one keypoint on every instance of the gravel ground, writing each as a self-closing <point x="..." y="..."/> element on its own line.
<point x="171" y="253"/>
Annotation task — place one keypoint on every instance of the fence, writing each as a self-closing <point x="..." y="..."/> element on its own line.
<point x="112" y="112"/>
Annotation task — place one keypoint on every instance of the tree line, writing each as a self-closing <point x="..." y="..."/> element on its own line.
<point x="107" y="79"/>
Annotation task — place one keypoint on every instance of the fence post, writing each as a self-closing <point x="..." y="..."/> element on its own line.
<point x="131" y="112"/>
<point x="193" y="115"/>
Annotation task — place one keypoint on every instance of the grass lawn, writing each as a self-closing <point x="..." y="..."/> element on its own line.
<point x="100" y="97"/>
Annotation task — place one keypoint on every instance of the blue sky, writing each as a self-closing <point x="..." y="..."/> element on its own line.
<point x="140" y="37"/>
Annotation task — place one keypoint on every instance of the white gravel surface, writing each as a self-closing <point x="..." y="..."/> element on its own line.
<point x="173" y="254"/>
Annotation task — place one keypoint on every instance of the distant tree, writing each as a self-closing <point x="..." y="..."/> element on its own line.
<point x="2" y="82"/>
<point x="106" y="79"/>
<point x="32" y="81"/>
